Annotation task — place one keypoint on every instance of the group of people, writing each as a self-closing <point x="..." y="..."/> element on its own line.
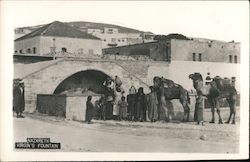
<point x="136" y="106"/>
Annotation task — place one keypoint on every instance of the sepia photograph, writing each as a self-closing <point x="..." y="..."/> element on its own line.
<point x="124" y="80"/>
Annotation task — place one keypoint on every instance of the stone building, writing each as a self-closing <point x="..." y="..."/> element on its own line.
<point x="58" y="37"/>
<point x="182" y="50"/>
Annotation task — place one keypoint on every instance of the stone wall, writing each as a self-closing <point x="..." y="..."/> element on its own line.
<point x="43" y="45"/>
<point x="27" y="43"/>
<point x="181" y="50"/>
<point x="157" y="51"/>
<point x="211" y="51"/>
<point x="47" y="79"/>
<point x="73" y="45"/>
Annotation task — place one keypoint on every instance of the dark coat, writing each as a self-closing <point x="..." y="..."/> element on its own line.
<point x="89" y="111"/>
<point x="140" y="112"/>
<point x="18" y="99"/>
<point x="131" y="99"/>
<point x="152" y="105"/>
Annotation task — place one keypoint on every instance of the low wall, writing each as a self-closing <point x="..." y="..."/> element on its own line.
<point x="68" y="106"/>
<point x="76" y="107"/>
<point x="54" y="105"/>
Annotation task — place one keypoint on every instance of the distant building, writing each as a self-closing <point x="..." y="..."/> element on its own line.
<point x="19" y="32"/>
<point x="111" y="37"/>
<point x="58" y="38"/>
<point x="182" y="50"/>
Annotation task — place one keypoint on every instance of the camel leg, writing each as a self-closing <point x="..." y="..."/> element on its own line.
<point x="212" y="109"/>
<point x="228" y="121"/>
<point x="186" y="110"/>
<point x="218" y="111"/>
<point x="164" y="106"/>
<point x="231" y="111"/>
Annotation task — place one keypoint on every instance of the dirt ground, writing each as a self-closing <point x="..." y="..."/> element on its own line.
<point x="124" y="136"/>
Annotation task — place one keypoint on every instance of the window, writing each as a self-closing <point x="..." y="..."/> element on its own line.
<point x="235" y="59"/>
<point x="113" y="39"/>
<point x="91" y="51"/>
<point x="64" y="49"/>
<point x="200" y="57"/>
<point x="15" y="51"/>
<point x="104" y="40"/>
<point x="230" y="58"/>
<point x="34" y="49"/>
<point x="80" y="50"/>
<point x="194" y="56"/>
<point x="28" y="50"/>
<point x="209" y="45"/>
<point x="20" y="51"/>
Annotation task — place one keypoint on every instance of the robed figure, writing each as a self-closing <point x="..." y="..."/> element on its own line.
<point x="89" y="110"/>
<point x="18" y="98"/>
<point x="152" y="105"/>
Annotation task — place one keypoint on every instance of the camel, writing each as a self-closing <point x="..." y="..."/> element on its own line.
<point x="218" y="89"/>
<point x="168" y="90"/>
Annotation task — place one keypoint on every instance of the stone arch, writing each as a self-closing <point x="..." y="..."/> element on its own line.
<point x="90" y="79"/>
<point x="46" y="80"/>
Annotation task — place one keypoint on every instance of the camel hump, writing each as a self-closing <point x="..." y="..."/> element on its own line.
<point x="222" y="84"/>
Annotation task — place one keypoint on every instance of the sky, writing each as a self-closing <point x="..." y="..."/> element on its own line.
<point x="215" y="20"/>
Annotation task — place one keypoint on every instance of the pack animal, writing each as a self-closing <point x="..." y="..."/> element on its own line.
<point x="216" y="90"/>
<point x="168" y="90"/>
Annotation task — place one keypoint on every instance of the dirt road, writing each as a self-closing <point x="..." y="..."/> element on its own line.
<point x="111" y="136"/>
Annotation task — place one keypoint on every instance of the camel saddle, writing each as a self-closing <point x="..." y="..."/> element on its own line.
<point x="168" y="83"/>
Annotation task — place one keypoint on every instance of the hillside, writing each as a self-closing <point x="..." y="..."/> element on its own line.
<point x="121" y="29"/>
<point x="85" y="24"/>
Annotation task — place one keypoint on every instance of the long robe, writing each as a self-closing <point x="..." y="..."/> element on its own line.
<point x="140" y="112"/>
<point x="89" y="111"/>
<point x="152" y="106"/>
<point x="18" y="99"/>
<point x="123" y="108"/>
<point x="109" y="110"/>
<point x="198" y="116"/>
<point x="131" y="99"/>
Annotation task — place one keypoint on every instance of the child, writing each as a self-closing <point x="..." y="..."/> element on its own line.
<point x="123" y="108"/>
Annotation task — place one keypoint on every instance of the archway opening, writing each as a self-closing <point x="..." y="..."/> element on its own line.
<point x="78" y="83"/>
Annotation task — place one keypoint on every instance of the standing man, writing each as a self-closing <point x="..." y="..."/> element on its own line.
<point x="131" y="99"/>
<point x="152" y="105"/>
<point x="140" y="105"/>
<point x="89" y="110"/>
<point x="18" y="97"/>
<point x="199" y="110"/>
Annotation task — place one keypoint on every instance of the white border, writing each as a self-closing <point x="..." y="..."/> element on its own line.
<point x="7" y="153"/>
